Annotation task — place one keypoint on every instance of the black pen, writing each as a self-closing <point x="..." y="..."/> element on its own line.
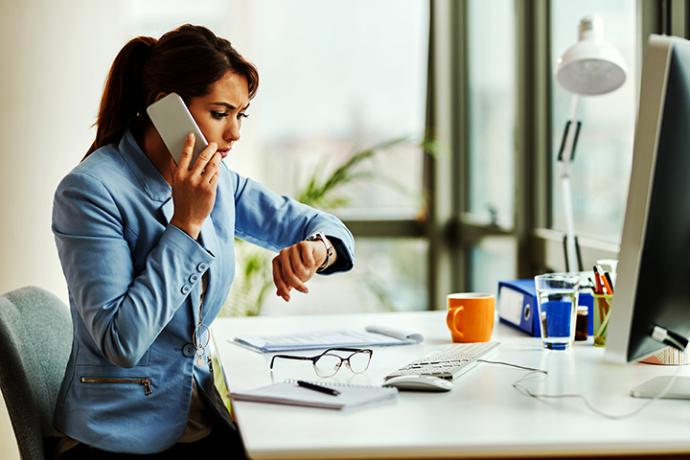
<point x="319" y="388"/>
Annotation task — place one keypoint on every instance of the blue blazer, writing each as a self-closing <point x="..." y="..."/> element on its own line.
<point x="134" y="290"/>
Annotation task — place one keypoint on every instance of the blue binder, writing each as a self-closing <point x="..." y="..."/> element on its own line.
<point x="517" y="306"/>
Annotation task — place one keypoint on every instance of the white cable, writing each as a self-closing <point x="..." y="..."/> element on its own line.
<point x="527" y="392"/>
<point x="503" y="363"/>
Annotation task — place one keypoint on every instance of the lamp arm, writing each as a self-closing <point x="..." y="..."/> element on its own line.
<point x="571" y="259"/>
<point x="566" y="155"/>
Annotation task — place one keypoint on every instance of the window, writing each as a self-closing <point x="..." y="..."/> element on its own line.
<point x="491" y="69"/>
<point x="491" y="95"/>
<point x="337" y="78"/>
<point x="492" y="260"/>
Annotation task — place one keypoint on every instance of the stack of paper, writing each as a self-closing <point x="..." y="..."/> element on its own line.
<point x="371" y="336"/>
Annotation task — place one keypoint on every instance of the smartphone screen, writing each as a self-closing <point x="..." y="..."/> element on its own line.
<point x="174" y="122"/>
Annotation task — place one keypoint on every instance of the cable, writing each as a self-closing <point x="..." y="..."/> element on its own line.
<point x="670" y="338"/>
<point x="513" y="365"/>
<point x="527" y="392"/>
<point x="667" y="337"/>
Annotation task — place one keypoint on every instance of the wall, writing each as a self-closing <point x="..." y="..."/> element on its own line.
<point x="54" y="56"/>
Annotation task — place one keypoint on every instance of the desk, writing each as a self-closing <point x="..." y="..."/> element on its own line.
<point x="482" y="416"/>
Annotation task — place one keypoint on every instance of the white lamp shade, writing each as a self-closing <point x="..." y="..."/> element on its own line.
<point x="591" y="66"/>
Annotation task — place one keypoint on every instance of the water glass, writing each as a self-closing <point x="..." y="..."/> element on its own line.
<point x="557" y="295"/>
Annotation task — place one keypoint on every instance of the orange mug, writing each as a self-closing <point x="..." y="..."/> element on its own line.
<point x="470" y="316"/>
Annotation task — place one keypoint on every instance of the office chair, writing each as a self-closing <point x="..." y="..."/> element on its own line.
<point x="35" y="339"/>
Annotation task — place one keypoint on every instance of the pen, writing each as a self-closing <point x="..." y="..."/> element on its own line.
<point x="597" y="278"/>
<point x="319" y="388"/>
<point x="607" y="277"/>
<point x="607" y="285"/>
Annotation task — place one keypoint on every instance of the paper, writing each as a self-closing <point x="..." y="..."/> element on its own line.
<point x="289" y="393"/>
<point x="510" y="304"/>
<point x="406" y="336"/>
<point x="372" y="336"/>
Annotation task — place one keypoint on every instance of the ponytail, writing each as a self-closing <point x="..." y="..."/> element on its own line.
<point x="124" y="95"/>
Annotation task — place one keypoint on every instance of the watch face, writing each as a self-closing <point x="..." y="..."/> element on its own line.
<point x="315" y="237"/>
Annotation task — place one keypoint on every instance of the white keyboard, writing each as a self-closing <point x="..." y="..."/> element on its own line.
<point x="447" y="363"/>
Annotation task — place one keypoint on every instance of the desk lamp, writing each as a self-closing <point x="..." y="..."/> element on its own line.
<point x="588" y="68"/>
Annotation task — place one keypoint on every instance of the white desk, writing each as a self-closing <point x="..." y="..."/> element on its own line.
<point x="482" y="416"/>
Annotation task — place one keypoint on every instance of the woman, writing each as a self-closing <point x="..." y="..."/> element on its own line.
<point x="146" y="247"/>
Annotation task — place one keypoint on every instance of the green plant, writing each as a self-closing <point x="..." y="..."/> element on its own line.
<point x="319" y="193"/>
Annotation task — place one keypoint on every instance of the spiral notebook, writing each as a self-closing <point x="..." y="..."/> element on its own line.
<point x="289" y="393"/>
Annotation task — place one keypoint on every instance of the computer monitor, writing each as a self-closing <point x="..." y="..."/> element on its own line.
<point x="653" y="283"/>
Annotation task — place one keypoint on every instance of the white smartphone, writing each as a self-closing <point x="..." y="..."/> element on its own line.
<point x="172" y="120"/>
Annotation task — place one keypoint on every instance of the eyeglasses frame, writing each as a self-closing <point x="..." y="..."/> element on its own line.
<point x="315" y="358"/>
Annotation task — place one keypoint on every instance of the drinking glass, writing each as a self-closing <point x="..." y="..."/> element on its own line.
<point x="557" y="295"/>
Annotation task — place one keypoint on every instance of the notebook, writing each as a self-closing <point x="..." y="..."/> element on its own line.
<point x="289" y="393"/>
<point x="371" y="336"/>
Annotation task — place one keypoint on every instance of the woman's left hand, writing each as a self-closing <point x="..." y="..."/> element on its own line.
<point x="295" y="265"/>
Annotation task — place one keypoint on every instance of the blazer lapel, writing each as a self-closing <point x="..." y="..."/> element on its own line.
<point x="168" y="209"/>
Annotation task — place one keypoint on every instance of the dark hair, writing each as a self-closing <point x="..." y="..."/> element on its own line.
<point x="186" y="61"/>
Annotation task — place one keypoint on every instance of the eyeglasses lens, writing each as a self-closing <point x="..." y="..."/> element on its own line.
<point x="327" y="365"/>
<point x="359" y="362"/>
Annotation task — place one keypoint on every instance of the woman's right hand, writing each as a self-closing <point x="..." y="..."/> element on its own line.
<point x="194" y="187"/>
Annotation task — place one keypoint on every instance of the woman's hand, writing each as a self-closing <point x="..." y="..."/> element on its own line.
<point x="295" y="265"/>
<point x="194" y="187"/>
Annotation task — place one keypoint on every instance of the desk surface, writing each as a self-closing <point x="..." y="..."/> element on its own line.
<point x="482" y="416"/>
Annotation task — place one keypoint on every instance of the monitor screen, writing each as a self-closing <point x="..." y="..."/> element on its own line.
<point x="653" y="287"/>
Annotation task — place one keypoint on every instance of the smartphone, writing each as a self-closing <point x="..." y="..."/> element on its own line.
<point x="172" y="120"/>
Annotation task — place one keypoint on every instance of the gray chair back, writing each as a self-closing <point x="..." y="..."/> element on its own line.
<point x="35" y="343"/>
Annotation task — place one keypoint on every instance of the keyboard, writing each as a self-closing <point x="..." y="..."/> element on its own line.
<point x="447" y="363"/>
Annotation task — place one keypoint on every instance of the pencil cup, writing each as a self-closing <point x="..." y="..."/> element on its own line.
<point x="602" y="311"/>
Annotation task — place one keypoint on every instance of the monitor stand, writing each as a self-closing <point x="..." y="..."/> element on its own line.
<point x="651" y="388"/>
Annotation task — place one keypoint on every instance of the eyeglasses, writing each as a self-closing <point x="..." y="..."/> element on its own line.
<point x="328" y="363"/>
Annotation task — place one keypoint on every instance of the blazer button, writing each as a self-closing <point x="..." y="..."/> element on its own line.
<point x="189" y="350"/>
<point x="193" y="278"/>
<point x="201" y="267"/>
<point x="185" y="289"/>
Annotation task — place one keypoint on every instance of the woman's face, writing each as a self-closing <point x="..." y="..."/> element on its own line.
<point x="219" y="113"/>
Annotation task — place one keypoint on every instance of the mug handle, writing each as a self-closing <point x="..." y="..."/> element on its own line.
<point x="451" y="319"/>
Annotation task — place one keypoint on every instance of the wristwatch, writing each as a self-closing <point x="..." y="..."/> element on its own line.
<point x="318" y="236"/>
